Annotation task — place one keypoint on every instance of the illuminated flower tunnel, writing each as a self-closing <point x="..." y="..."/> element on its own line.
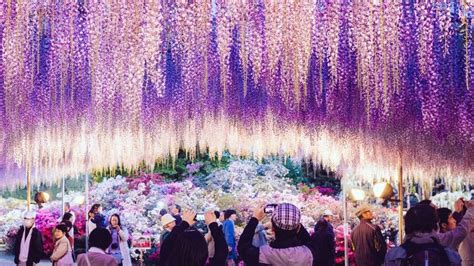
<point x="350" y="84"/>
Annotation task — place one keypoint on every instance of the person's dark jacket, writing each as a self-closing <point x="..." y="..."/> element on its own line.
<point x="300" y="244"/>
<point x="369" y="245"/>
<point x="324" y="243"/>
<point x="35" y="252"/>
<point x="221" y="250"/>
<point x="178" y="218"/>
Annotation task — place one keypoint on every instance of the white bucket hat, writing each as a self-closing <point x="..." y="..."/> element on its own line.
<point x="166" y="219"/>
<point x="29" y="215"/>
<point x="328" y="213"/>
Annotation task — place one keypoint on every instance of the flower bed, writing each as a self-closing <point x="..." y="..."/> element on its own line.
<point x="241" y="186"/>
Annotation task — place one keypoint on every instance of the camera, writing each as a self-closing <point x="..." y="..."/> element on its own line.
<point x="269" y="208"/>
<point x="199" y="217"/>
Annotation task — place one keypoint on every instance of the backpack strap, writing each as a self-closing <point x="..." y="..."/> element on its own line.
<point x="413" y="248"/>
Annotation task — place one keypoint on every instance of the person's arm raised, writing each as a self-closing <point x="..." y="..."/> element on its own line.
<point x="247" y="251"/>
<point x="220" y="245"/>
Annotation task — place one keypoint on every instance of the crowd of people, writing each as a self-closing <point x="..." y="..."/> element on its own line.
<point x="433" y="236"/>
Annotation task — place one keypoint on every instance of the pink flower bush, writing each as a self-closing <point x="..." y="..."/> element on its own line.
<point x="146" y="179"/>
<point x="46" y="220"/>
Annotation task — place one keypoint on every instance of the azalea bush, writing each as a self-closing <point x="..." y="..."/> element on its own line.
<point x="241" y="185"/>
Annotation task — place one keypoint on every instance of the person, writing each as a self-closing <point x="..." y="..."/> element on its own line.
<point x="421" y="245"/>
<point x="69" y="217"/>
<point x="28" y="246"/>
<point x="175" y="211"/>
<point x="323" y="241"/>
<point x="453" y="238"/>
<point x="369" y="244"/>
<point x="163" y="212"/>
<point x="260" y="237"/>
<point x="186" y="246"/>
<point x="221" y="218"/>
<point x="68" y="210"/>
<point x="230" y="216"/>
<point x="328" y="216"/>
<point x="341" y="248"/>
<point x="62" y="252"/>
<point x="119" y="246"/>
<point x="209" y="240"/>
<point x="70" y="238"/>
<point x="92" y="221"/>
<point x="464" y="213"/>
<point x="99" y="240"/>
<point x="168" y="222"/>
<point x="291" y="245"/>
<point x="446" y="220"/>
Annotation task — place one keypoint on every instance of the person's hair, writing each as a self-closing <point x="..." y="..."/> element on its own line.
<point x="94" y="207"/>
<point x="68" y="224"/>
<point x="67" y="216"/>
<point x="118" y="218"/>
<point x="282" y="234"/>
<point x="443" y="214"/>
<point x="62" y="227"/>
<point x="228" y="213"/>
<point x="100" y="238"/>
<point x="322" y="225"/>
<point x="163" y="212"/>
<point x="178" y="207"/>
<point x="426" y="201"/>
<point x="190" y="249"/>
<point x="68" y="205"/>
<point x="421" y="218"/>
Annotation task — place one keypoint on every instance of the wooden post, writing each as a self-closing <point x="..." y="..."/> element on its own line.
<point x="28" y="186"/>
<point x="62" y="193"/>
<point x="400" y="197"/>
<point x="86" y="177"/>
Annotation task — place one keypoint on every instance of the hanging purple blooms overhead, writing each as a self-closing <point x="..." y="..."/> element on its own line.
<point x="87" y="84"/>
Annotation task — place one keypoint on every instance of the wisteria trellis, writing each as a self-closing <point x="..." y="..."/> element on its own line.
<point x="351" y="84"/>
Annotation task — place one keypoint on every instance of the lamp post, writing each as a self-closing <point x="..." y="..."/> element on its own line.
<point x="355" y="194"/>
<point x="400" y="197"/>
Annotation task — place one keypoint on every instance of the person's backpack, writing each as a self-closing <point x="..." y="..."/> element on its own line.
<point x="432" y="254"/>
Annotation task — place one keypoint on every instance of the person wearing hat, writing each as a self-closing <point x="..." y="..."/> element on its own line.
<point x="168" y="222"/>
<point x="292" y="244"/>
<point x="323" y="240"/>
<point x="327" y="217"/>
<point x="28" y="247"/>
<point x="369" y="244"/>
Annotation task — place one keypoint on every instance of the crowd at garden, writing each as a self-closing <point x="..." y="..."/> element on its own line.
<point x="274" y="235"/>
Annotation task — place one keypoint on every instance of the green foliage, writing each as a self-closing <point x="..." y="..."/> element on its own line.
<point x="312" y="175"/>
<point x="71" y="184"/>
<point x="173" y="169"/>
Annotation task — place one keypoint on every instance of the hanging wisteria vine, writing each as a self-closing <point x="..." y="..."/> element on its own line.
<point x="352" y="84"/>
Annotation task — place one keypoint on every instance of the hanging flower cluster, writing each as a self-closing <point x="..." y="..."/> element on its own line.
<point x="87" y="84"/>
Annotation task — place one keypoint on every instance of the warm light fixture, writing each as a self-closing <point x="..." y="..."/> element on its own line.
<point x="41" y="198"/>
<point x="383" y="190"/>
<point x="357" y="194"/>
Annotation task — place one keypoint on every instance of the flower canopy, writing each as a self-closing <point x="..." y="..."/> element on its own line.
<point x="351" y="84"/>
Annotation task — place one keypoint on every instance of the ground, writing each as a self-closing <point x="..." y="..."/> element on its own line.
<point x="6" y="259"/>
